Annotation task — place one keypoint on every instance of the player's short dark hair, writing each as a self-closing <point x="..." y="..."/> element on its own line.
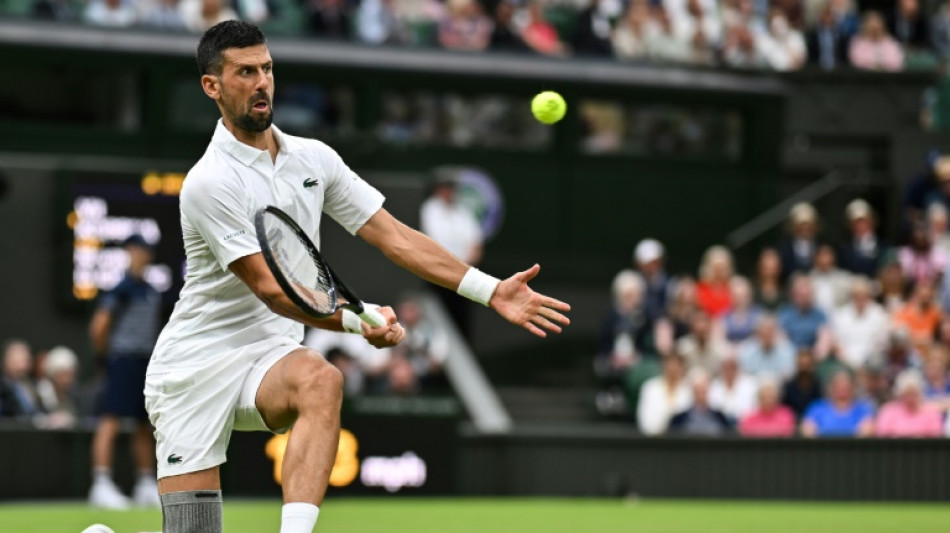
<point x="220" y="37"/>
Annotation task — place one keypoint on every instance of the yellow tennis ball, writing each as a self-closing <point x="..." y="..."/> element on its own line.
<point x="548" y="107"/>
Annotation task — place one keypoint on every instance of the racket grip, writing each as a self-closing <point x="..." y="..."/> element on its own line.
<point x="373" y="317"/>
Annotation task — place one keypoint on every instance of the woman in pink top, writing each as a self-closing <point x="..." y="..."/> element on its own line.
<point x="771" y="419"/>
<point x="874" y="48"/>
<point x="908" y="415"/>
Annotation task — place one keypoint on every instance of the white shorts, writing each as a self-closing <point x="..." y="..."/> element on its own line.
<point x="194" y="411"/>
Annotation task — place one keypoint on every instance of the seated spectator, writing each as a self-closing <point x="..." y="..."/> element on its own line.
<point x="827" y="44"/>
<point x="908" y="25"/>
<point x="873" y="48"/>
<point x="629" y="38"/>
<point x="504" y="35"/>
<point x="768" y="280"/>
<point x="891" y="286"/>
<point x="920" y="260"/>
<point x="936" y="380"/>
<point x="163" y="15"/>
<point x="863" y="253"/>
<point x="110" y="13"/>
<point x="377" y="22"/>
<point x="733" y="392"/>
<point x="784" y="46"/>
<point x="804" y="388"/>
<point x="663" y="396"/>
<point x="626" y="333"/>
<point x="373" y="364"/>
<point x="353" y="380"/>
<point x="860" y="327"/>
<point x="401" y="380"/>
<point x="57" y="390"/>
<point x="831" y="284"/>
<point x="770" y="419"/>
<point x="540" y="35"/>
<point x="329" y="19"/>
<point x="925" y="188"/>
<point x="740" y="323"/>
<point x="940" y="30"/>
<point x="199" y="15"/>
<point x="465" y="27"/>
<point x="805" y="324"/>
<point x="899" y="355"/>
<point x="17" y="392"/>
<point x="702" y="347"/>
<point x="648" y="257"/>
<point x="700" y="26"/>
<point x="920" y="316"/>
<point x="592" y="29"/>
<point x="425" y="347"/>
<point x="873" y="385"/>
<point x="663" y="44"/>
<point x="937" y="225"/>
<point x="840" y="414"/>
<point x="768" y="353"/>
<point x="907" y="415"/>
<point x="845" y="17"/>
<point x="680" y="312"/>
<point x="798" y="251"/>
<point x="700" y="419"/>
<point x="742" y="48"/>
<point x="713" y="292"/>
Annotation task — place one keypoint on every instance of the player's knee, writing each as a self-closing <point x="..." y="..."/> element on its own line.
<point x="321" y="384"/>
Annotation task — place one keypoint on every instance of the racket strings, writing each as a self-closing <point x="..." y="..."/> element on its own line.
<point x="304" y="269"/>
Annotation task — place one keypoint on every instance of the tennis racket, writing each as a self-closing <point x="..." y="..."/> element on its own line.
<point x="302" y="272"/>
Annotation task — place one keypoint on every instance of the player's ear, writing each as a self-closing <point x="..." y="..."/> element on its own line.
<point x="211" y="85"/>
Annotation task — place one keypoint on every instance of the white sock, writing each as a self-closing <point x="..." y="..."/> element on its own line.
<point x="102" y="475"/>
<point x="298" y="517"/>
<point x="146" y="476"/>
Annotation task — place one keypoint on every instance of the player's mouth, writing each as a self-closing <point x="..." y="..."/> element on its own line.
<point x="261" y="105"/>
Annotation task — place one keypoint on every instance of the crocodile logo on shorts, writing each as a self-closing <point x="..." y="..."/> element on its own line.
<point x="174" y="459"/>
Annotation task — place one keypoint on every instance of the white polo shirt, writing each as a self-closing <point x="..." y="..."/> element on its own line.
<point x="217" y="313"/>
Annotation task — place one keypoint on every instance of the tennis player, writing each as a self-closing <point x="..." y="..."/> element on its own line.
<point x="230" y="357"/>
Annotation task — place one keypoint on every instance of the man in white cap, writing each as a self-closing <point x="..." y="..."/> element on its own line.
<point x="648" y="256"/>
<point x="798" y="252"/>
<point x="864" y="252"/>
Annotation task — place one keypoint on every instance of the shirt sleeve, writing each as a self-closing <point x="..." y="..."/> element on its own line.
<point x="349" y="200"/>
<point x="109" y="301"/>
<point x="220" y="211"/>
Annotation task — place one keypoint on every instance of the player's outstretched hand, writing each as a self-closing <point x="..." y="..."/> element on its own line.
<point x="386" y="336"/>
<point x="520" y="305"/>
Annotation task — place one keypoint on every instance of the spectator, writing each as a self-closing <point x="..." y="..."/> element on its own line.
<point x="920" y="316"/>
<point x="805" y="324"/>
<point x="592" y="29"/>
<point x="425" y="347"/>
<point x="899" y="355"/>
<point x="891" y="285"/>
<point x="840" y="415"/>
<point x="784" y="47"/>
<point x="649" y="256"/>
<point x="701" y="27"/>
<point x="401" y="380"/>
<point x="845" y="17"/>
<point x="768" y="280"/>
<point x="57" y="390"/>
<point x="792" y="10"/>
<point x="860" y="326"/>
<point x="940" y="30"/>
<point x="677" y="324"/>
<point x="110" y="13"/>
<point x="330" y="19"/>
<point x="908" y="25"/>
<point x="353" y="379"/>
<point x="907" y="415"/>
<point x="713" y="292"/>
<point x="798" y="251"/>
<point x="504" y="36"/>
<point x="742" y="48"/>
<point x="377" y="23"/>
<point x="827" y="44"/>
<point x="164" y="15"/>
<point x="465" y="27"/>
<point x="740" y="323"/>
<point x="864" y="252"/>
<point x="831" y="284"/>
<point x="937" y="225"/>
<point x="663" y="396"/>
<point x="629" y="37"/>
<point x="663" y="44"/>
<point x="768" y="353"/>
<point x="733" y="392"/>
<point x="625" y="335"/>
<point x="373" y="364"/>
<point x="540" y="35"/>
<point x="17" y="392"/>
<point x="874" y="48"/>
<point x="770" y="419"/>
<point x="199" y="15"/>
<point x="805" y="386"/>
<point x="920" y="260"/>
<point x="700" y="419"/>
<point x="936" y="380"/>
<point x="927" y="187"/>
<point x="702" y="348"/>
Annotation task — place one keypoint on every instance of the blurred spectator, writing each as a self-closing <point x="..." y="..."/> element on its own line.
<point x="733" y="392"/>
<point x="713" y="292"/>
<point x="831" y="284"/>
<point x="784" y="48"/>
<point x="59" y="10"/>
<point x="664" y="45"/>
<point x="702" y="347"/>
<point x="845" y="17"/>
<point x="504" y="35"/>
<point x="353" y="379"/>
<point x="377" y="23"/>
<point x="540" y="34"/>
<point x="827" y="43"/>
<point x="872" y="385"/>
<point x="859" y="327"/>
<point x="681" y="309"/>
<point x="110" y="13"/>
<point x="899" y="355"/>
<point x="864" y="252"/>
<point x="798" y="251"/>
<point x="768" y="280"/>
<point x="937" y="225"/>
<point x="940" y="30"/>
<point x="907" y="415"/>
<point x="57" y="390"/>
<point x="805" y="324"/>
<point x="740" y="323"/>
<point x="625" y="335"/>
<point x="920" y="260"/>
<point x="401" y="380"/>
<point x="648" y="256"/>
<point x="840" y="415"/>
<point x="791" y="10"/>
<point x="163" y="15"/>
<point x="701" y="27"/>
<point x="936" y="380"/>
<point x="770" y="419"/>
<point x="17" y="392"/>
<point x="891" y="285"/>
<point x="629" y="37"/>
<point x="741" y="48"/>
<point x="908" y="25"/>
<point x="329" y="19"/>
<point x="804" y="388"/>
<point x="199" y="15"/>
<point x="425" y="348"/>
<point x="465" y="26"/>
<point x="920" y="316"/>
<point x="930" y="185"/>
<point x="768" y="353"/>
<point x="663" y="396"/>
<point x="373" y="365"/>
<point x="874" y="48"/>
<point x="592" y="31"/>
<point x="700" y="419"/>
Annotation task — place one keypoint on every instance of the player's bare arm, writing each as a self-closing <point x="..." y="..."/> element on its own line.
<point x="253" y="271"/>
<point x="513" y="299"/>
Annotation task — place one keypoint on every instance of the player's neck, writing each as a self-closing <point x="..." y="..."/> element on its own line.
<point x="264" y="140"/>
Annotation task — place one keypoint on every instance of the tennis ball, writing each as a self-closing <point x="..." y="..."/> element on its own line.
<point x="548" y="107"/>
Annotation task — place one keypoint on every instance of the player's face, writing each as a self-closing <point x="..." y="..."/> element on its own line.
<point x="246" y="88"/>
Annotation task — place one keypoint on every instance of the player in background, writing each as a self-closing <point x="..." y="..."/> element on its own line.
<point x="124" y="328"/>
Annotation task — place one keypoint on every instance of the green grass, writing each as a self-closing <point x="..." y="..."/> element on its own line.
<point x="515" y="516"/>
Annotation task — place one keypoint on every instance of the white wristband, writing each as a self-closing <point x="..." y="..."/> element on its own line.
<point x="478" y="286"/>
<point x="352" y="323"/>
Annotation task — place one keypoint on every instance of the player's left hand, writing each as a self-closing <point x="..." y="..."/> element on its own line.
<point x="520" y="305"/>
<point x="386" y="336"/>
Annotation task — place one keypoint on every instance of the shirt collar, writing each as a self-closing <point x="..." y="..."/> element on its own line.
<point x="244" y="153"/>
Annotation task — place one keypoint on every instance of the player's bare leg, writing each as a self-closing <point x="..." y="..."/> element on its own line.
<point x="191" y="503"/>
<point x="305" y="390"/>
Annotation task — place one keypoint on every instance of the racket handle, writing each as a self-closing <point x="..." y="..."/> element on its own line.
<point x="373" y="317"/>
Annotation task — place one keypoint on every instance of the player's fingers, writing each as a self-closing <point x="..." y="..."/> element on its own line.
<point x="551" y="314"/>
<point x="546" y="324"/>
<point x="535" y="329"/>
<point x="388" y="314"/>
<point x="528" y="275"/>
<point x="555" y="304"/>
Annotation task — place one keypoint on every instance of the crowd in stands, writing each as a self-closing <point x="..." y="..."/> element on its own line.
<point x="40" y="388"/>
<point x="768" y="34"/>
<point x="848" y="338"/>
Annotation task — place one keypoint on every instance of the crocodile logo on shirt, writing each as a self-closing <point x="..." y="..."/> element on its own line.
<point x="174" y="459"/>
<point x="310" y="182"/>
